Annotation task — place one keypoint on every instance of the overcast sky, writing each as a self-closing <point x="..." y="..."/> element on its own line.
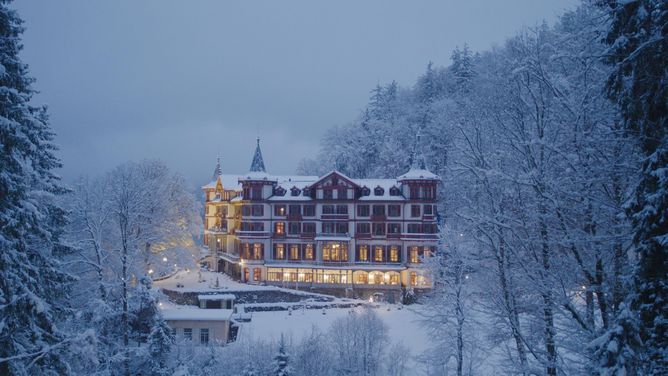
<point x="185" y="81"/>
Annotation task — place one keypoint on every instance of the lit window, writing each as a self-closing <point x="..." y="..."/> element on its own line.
<point x="378" y="253"/>
<point x="257" y="251"/>
<point x="280" y="228"/>
<point x="363" y="253"/>
<point x="294" y="252"/>
<point x="308" y="252"/>
<point x="394" y="253"/>
<point x="279" y="252"/>
<point x="413" y="255"/>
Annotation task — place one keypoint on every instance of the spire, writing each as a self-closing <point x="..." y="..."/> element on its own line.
<point x="417" y="158"/>
<point x="258" y="164"/>
<point x="218" y="171"/>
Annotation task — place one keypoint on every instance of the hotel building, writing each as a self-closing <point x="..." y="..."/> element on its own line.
<point x="332" y="233"/>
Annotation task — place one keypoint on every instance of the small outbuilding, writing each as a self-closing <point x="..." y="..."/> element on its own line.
<point x="201" y="326"/>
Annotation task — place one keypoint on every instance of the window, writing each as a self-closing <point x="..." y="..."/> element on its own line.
<point x="279" y="210"/>
<point x="394" y="228"/>
<point x="309" y="210"/>
<point x="428" y="210"/>
<point x="394" y="191"/>
<point x="308" y="228"/>
<point x="246" y="210"/>
<point x="308" y="252"/>
<point x="341" y="209"/>
<point x="341" y="227"/>
<point x="221" y="211"/>
<point x="394" y="210"/>
<point x="342" y="193"/>
<point x="294" y="210"/>
<point x="294" y="191"/>
<point x="362" y="252"/>
<point x="379" y="210"/>
<point x="335" y="252"/>
<point x="362" y="278"/>
<point x="307" y="192"/>
<point x="328" y="194"/>
<point x="363" y="228"/>
<point x="294" y="251"/>
<point x="256" y="193"/>
<point x="415" y="192"/>
<point x="414" y="228"/>
<point x="279" y="228"/>
<point x="328" y="209"/>
<point x="413" y="279"/>
<point x="252" y="226"/>
<point x="378" y="191"/>
<point x="257" y="251"/>
<point x="366" y="191"/>
<point x="279" y="251"/>
<point x="379" y="228"/>
<point x="394" y="279"/>
<point x="188" y="334"/>
<point x="204" y="336"/>
<point x="363" y="210"/>
<point x="257" y="274"/>
<point x="258" y="210"/>
<point x="293" y="228"/>
<point x="394" y="253"/>
<point x="415" y="210"/>
<point x="378" y="253"/>
<point x="280" y="191"/>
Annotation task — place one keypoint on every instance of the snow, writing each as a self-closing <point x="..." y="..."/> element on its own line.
<point x="175" y="313"/>
<point x="216" y="297"/>
<point x="418" y="174"/>
<point x="403" y="324"/>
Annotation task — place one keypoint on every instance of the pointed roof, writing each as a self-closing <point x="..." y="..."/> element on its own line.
<point x="418" y="170"/>
<point x="417" y="157"/>
<point x="257" y="165"/>
<point x="217" y="171"/>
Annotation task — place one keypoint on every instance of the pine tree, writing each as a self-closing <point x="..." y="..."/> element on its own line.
<point x="282" y="359"/>
<point x="639" y="84"/>
<point x="32" y="287"/>
<point x="160" y="343"/>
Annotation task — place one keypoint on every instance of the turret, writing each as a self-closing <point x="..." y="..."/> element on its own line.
<point x="418" y="183"/>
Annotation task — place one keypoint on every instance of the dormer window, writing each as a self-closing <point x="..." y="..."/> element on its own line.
<point x="307" y="192"/>
<point x="378" y="191"/>
<point x="280" y="191"/>
<point x="394" y="191"/>
<point x="366" y="191"/>
<point x="295" y="191"/>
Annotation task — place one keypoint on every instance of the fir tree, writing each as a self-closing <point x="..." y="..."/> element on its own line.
<point x="639" y="84"/>
<point x="282" y="359"/>
<point x="160" y="343"/>
<point x="32" y="287"/>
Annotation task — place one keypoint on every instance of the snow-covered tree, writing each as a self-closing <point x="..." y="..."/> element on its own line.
<point x="638" y="41"/>
<point x="282" y="360"/>
<point x="34" y="290"/>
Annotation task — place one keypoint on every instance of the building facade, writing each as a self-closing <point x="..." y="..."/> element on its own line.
<point x="333" y="232"/>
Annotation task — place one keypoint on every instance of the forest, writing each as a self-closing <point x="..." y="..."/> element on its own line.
<point x="552" y="149"/>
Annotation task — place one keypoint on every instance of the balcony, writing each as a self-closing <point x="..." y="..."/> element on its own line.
<point x="394" y="235"/>
<point x="217" y="230"/>
<point x="294" y="217"/>
<point x="334" y="216"/>
<point x="362" y="236"/>
<point x="307" y="235"/>
<point x="378" y="218"/>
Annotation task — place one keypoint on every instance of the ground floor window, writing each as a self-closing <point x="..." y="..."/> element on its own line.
<point x="204" y="336"/>
<point x="246" y="275"/>
<point x="331" y="276"/>
<point x="418" y="279"/>
<point x="188" y="334"/>
<point x="257" y="274"/>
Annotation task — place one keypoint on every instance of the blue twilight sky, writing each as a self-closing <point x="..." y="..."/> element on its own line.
<point x="185" y="81"/>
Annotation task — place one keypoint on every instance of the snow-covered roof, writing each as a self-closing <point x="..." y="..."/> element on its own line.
<point x="196" y="314"/>
<point x="385" y="184"/>
<point x="216" y="297"/>
<point x="418" y="174"/>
